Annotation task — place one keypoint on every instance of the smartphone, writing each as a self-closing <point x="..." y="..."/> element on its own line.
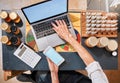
<point x="53" y="55"/>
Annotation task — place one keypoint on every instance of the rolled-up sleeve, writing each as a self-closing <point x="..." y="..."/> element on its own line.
<point x="95" y="73"/>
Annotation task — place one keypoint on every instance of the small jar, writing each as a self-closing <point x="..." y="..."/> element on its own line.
<point x="103" y="25"/>
<point x="114" y="29"/>
<point x="93" y="25"/>
<point x="102" y="29"/>
<point x="88" y="25"/>
<point x="93" y="32"/>
<point x="93" y="17"/>
<point x="108" y="29"/>
<point x="98" y="17"/>
<point x="112" y="45"/>
<point x="88" y="29"/>
<point x="5" y="40"/>
<point x="108" y="25"/>
<point x="5" y="27"/>
<point x="15" y="17"/>
<point x="98" y="13"/>
<point x="93" y="13"/>
<point x="98" y="29"/>
<point x="98" y="25"/>
<point x="114" y="21"/>
<point x="104" y="17"/>
<point x="15" y="30"/>
<point x="93" y="21"/>
<point x="4" y="15"/>
<point x="15" y="40"/>
<point x="88" y="21"/>
<point x="98" y="21"/>
<point x="102" y="42"/>
<point x="88" y="32"/>
<point x="103" y="21"/>
<point x="91" y="41"/>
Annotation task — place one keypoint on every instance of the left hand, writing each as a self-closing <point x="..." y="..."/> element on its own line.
<point x="53" y="67"/>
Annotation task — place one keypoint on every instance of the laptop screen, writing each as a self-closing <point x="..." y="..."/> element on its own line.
<point x="45" y="10"/>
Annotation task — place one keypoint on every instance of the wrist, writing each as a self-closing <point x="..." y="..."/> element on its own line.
<point x="69" y="38"/>
<point x="54" y="73"/>
<point x="54" y="76"/>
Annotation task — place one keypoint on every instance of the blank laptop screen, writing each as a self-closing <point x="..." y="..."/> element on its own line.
<point x="45" y="10"/>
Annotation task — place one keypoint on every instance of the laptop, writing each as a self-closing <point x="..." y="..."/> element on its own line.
<point x="41" y="15"/>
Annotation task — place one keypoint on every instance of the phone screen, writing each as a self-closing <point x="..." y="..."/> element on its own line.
<point x="54" y="56"/>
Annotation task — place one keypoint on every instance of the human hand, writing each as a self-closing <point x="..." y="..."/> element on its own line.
<point x="53" y="67"/>
<point x="61" y="29"/>
<point x="54" y="71"/>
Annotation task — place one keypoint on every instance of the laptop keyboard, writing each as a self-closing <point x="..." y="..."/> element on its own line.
<point x="45" y="28"/>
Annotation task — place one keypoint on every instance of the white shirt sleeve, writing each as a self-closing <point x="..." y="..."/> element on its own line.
<point x="95" y="73"/>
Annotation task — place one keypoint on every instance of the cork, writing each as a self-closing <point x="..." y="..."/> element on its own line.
<point x="91" y="41"/>
<point x="112" y="45"/>
<point x="102" y="42"/>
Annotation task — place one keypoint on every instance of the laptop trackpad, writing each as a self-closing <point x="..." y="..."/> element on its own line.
<point x="54" y="40"/>
<point x="42" y="43"/>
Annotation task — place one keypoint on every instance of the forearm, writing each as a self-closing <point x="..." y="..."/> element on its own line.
<point x="54" y="77"/>
<point x="93" y="68"/>
<point x="62" y="31"/>
<point x="83" y="53"/>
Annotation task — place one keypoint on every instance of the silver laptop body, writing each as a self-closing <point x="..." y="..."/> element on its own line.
<point x="42" y="30"/>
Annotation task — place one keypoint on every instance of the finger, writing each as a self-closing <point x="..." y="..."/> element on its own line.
<point x="56" y="30"/>
<point x="61" y="25"/>
<point x="65" y="25"/>
<point x="57" y="22"/>
<point x="49" y="62"/>
<point x="60" y="22"/>
<point x="48" y="59"/>
<point x="56" y="66"/>
<point x="55" y="26"/>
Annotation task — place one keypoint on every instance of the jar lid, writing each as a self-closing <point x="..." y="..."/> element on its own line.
<point x="4" y="26"/>
<point x="93" y="41"/>
<point x="13" y="15"/>
<point x="112" y="45"/>
<point x="103" y="41"/>
<point x="4" y="39"/>
<point x="3" y="14"/>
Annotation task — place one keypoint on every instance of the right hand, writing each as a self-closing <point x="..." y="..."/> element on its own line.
<point x="61" y="29"/>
